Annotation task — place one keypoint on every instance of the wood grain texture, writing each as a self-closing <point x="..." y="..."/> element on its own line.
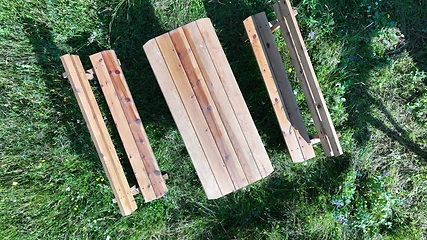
<point x="129" y="125"/>
<point x="308" y="79"/>
<point x="195" y="114"/>
<point x="99" y="133"/>
<point x="135" y="123"/>
<point x="208" y="107"/>
<point x="234" y="95"/>
<point x="223" y="105"/>
<point x="205" y="108"/>
<point x="279" y="88"/>
<point x="182" y="120"/>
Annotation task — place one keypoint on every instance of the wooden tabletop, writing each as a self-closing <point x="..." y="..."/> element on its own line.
<point x="208" y="108"/>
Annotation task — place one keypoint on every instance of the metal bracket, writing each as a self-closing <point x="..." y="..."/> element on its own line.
<point x="90" y="74"/>
<point x="135" y="190"/>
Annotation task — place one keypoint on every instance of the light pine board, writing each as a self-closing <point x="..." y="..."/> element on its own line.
<point x="305" y="72"/>
<point x="220" y="98"/>
<point x="129" y="125"/>
<point x="185" y="126"/>
<point x="278" y="87"/>
<point x="234" y="95"/>
<point x="197" y="90"/>
<point x="99" y="133"/>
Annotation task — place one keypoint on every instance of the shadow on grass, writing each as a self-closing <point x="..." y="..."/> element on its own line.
<point x="48" y="59"/>
<point x="278" y="205"/>
<point x="412" y="19"/>
<point x="227" y="18"/>
<point x="364" y="110"/>
<point x="361" y="104"/>
<point x="361" y="119"/>
<point x="254" y="210"/>
<point x="132" y="25"/>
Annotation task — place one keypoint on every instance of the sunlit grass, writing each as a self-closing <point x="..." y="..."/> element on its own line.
<point x="369" y="57"/>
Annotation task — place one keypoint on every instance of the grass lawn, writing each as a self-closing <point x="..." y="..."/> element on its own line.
<point x="371" y="61"/>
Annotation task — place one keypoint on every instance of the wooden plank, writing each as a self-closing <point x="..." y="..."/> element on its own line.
<point x="113" y="102"/>
<point x="275" y="97"/>
<point x="213" y="83"/>
<point x="308" y="79"/>
<point x="234" y="95"/>
<point x="182" y="121"/>
<point x="121" y="123"/>
<point x="301" y="76"/>
<point x="279" y="88"/>
<point x="284" y="86"/>
<point x="188" y="117"/>
<point x="216" y="161"/>
<point x="134" y="120"/>
<point x="99" y="133"/>
<point x="208" y="107"/>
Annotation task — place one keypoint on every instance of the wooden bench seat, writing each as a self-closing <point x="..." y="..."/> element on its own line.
<point x="129" y="125"/>
<point x="208" y="108"/>
<point x="259" y="32"/>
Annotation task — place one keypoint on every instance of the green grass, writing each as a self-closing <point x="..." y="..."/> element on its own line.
<point x="369" y="56"/>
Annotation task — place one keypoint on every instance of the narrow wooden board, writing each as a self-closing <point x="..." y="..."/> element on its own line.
<point x="121" y="123"/>
<point x="301" y="76"/>
<point x="99" y="133"/>
<point x="111" y="79"/>
<point x="192" y="108"/>
<point x="308" y="79"/>
<point x="260" y="42"/>
<point x="185" y="127"/>
<point x="223" y="105"/>
<point x="234" y="95"/>
<point x="279" y="88"/>
<point x="135" y="124"/>
<point x="283" y="85"/>
<point x="274" y="25"/>
<point x="195" y="115"/>
<point x="208" y="107"/>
